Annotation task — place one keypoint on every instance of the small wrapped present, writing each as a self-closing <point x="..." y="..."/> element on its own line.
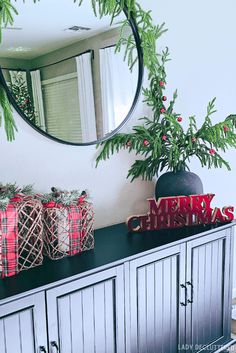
<point x="21" y="235"/>
<point x="68" y="228"/>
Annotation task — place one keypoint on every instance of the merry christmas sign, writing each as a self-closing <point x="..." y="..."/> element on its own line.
<point x="180" y="211"/>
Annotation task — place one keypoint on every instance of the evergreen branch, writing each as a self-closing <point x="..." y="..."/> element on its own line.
<point x="115" y="144"/>
<point x="208" y="160"/>
<point x="217" y="136"/>
<point x="139" y="169"/>
<point x="7" y="12"/>
<point x="7" y="115"/>
<point x="207" y="122"/>
<point x="231" y="119"/>
<point x="9" y="191"/>
<point x="67" y="198"/>
<point x="172" y="103"/>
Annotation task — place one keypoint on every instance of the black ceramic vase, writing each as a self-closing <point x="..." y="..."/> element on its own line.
<point x="178" y="183"/>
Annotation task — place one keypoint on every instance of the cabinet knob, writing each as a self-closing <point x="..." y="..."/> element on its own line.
<point x="54" y="345"/>
<point x="42" y="349"/>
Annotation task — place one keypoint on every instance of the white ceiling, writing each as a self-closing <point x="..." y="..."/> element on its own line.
<point x="43" y="27"/>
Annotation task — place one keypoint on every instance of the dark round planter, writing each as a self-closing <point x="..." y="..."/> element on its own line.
<point x="179" y="183"/>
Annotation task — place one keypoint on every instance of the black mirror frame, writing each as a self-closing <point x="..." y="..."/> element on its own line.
<point x="126" y="119"/>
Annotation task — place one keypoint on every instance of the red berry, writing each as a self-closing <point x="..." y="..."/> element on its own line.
<point x="50" y="204"/>
<point x="179" y="119"/>
<point x="162" y="83"/>
<point x="128" y="143"/>
<point x="146" y="143"/>
<point x="164" y="138"/>
<point x="164" y="98"/>
<point x="194" y="139"/>
<point x="212" y="151"/>
<point x="162" y="110"/>
<point x="226" y="128"/>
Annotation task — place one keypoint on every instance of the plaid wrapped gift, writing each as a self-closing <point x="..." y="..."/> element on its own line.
<point x="21" y="241"/>
<point x="8" y="242"/>
<point x="68" y="230"/>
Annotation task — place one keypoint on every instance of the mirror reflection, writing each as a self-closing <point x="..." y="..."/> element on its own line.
<point x="60" y="64"/>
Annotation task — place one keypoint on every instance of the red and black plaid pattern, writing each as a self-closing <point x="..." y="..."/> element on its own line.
<point x="8" y="242"/>
<point x="68" y="230"/>
<point x="75" y="230"/>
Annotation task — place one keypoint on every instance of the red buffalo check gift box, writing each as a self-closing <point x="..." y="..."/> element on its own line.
<point x="68" y="220"/>
<point x="21" y="239"/>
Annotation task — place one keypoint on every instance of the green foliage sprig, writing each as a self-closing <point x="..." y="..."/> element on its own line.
<point x="7" y="12"/>
<point x="6" y="115"/>
<point x="64" y="197"/>
<point x="9" y="191"/>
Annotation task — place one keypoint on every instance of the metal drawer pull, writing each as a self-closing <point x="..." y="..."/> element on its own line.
<point x="55" y="345"/>
<point x="186" y="293"/>
<point x="42" y="349"/>
<point x="191" y="285"/>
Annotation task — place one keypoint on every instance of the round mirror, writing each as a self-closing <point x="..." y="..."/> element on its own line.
<point x="66" y="75"/>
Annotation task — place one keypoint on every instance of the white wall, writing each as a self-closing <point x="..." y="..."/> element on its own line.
<point x="35" y="159"/>
<point x="201" y="39"/>
<point x="234" y="270"/>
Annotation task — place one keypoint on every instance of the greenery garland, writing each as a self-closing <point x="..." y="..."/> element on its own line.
<point x="148" y="32"/>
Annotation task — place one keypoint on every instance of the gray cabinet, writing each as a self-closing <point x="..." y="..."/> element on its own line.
<point x="180" y="297"/>
<point x="208" y="280"/>
<point x="157" y="321"/>
<point x="23" y="325"/>
<point x="87" y="315"/>
<point x="173" y="299"/>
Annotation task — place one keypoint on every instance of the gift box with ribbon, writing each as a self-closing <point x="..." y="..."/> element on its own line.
<point x="21" y="238"/>
<point x="68" y="229"/>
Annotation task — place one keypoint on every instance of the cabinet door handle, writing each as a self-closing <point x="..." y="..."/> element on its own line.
<point x="191" y="285"/>
<point x="55" y="345"/>
<point x="42" y="349"/>
<point x="185" y="303"/>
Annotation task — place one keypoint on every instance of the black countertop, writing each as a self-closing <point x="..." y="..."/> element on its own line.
<point x="112" y="244"/>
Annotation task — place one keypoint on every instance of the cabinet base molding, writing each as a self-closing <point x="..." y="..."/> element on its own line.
<point x="226" y="346"/>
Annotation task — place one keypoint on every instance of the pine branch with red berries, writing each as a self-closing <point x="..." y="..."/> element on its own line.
<point x="163" y="144"/>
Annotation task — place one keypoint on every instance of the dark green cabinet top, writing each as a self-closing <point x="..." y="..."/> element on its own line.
<point x="112" y="244"/>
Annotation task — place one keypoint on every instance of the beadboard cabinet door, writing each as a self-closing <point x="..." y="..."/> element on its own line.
<point x="87" y="315"/>
<point x="23" y="325"/>
<point x="209" y="284"/>
<point x="157" y="302"/>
